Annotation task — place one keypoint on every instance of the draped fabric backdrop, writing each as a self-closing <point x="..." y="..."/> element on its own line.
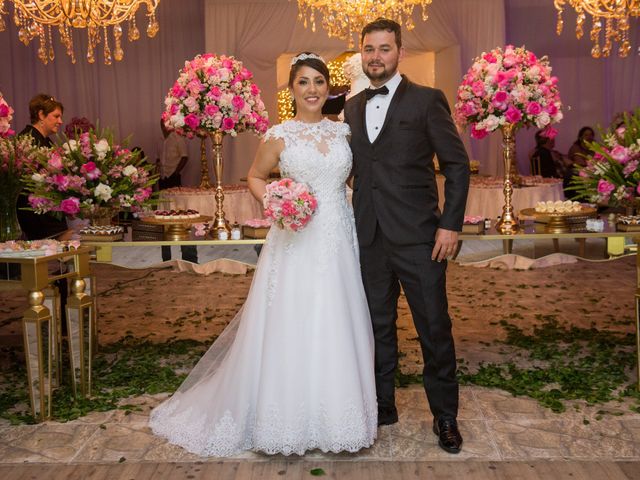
<point x="129" y="95"/>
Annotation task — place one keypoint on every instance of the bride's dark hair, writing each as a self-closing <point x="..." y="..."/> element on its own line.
<point x="308" y="59"/>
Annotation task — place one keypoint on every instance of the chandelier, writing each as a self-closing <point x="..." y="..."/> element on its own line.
<point x="345" y="18"/>
<point x="613" y="15"/>
<point x="37" y="18"/>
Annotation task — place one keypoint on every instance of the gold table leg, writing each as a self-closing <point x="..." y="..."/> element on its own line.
<point x="38" y="350"/>
<point x="80" y="320"/>
<point x="52" y="302"/>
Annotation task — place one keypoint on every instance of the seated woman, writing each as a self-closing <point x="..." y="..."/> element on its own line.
<point x="579" y="150"/>
<point x="545" y="161"/>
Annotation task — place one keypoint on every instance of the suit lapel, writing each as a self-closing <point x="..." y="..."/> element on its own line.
<point x="397" y="96"/>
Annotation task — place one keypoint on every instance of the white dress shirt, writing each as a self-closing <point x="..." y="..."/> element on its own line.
<point x="377" y="107"/>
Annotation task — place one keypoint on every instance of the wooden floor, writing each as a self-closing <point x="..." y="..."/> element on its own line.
<point x="467" y="470"/>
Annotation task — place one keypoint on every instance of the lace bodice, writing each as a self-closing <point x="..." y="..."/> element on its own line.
<point x="317" y="154"/>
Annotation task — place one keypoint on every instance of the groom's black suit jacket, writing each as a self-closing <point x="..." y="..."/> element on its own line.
<point x="394" y="177"/>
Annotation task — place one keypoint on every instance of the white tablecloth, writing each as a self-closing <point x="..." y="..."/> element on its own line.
<point x="487" y="202"/>
<point x="239" y="205"/>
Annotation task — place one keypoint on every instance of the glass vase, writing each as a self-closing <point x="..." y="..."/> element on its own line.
<point x="9" y="226"/>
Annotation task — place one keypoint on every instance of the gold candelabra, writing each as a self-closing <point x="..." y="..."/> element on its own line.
<point x="508" y="223"/>
<point x="220" y="222"/>
<point x="37" y="18"/>
<point x="345" y="18"/>
<point x="613" y="15"/>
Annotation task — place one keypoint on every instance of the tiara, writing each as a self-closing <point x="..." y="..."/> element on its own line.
<point x="304" y="56"/>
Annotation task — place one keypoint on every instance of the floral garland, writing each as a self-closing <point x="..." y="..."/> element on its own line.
<point x="89" y="173"/>
<point x="214" y="93"/>
<point x="611" y="175"/>
<point x="510" y="86"/>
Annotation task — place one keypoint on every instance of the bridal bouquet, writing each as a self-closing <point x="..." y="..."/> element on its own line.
<point x="6" y="115"/>
<point x="288" y="204"/>
<point x="611" y="175"/>
<point x="214" y="93"/>
<point x="510" y="86"/>
<point x="88" y="175"/>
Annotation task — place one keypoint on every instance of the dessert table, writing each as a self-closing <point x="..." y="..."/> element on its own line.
<point x="41" y="323"/>
<point x="486" y="197"/>
<point x="239" y="205"/>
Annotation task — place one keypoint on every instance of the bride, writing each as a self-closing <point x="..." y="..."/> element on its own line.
<point x="294" y="370"/>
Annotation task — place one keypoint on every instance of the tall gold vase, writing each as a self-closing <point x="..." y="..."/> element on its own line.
<point x="204" y="168"/>
<point x="220" y="223"/>
<point x="508" y="223"/>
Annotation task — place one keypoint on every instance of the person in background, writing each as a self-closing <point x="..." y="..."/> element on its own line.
<point x="45" y="113"/>
<point x="173" y="158"/>
<point x="545" y="160"/>
<point x="579" y="150"/>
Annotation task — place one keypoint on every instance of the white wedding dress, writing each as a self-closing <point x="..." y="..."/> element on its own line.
<point x="294" y="371"/>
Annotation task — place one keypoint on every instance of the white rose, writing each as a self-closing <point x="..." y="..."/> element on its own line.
<point x="36" y="177"/>
<point x="543" y="120"/>
<point x="491" y="122"/>
<point x="102" y="147"/>
<point x="103" y="192"/>
<point x="129" y="170"/>
<point x="177" y="120"/>
<point x="70" y="146"/>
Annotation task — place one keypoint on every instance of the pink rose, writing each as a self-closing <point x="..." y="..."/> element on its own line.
<point x="533" y="108"/>
<point x="478" y="134"/>
<point x="246" y="74"/>
<point x="192" y="121"/>
<point x="70" y="205"/>
<point x="178" y="91"/>
<point x="228" y="124"/>
<point x="549" y="132"/>
<point x="90" y="170"/>
<point x="490" y="57"/>
<point x="254" y="89"/>
<point x="619" y="154"/>
<point x="469" y="109"/>
<point x="605" y="188"/>
<point x="478" y="88"/>
<point x="55" y="161"/>
<point x="513" y="115"/>
<point x="237" y="102"/>
<point x="500" y="99"/>
<point x="211" y="109"/>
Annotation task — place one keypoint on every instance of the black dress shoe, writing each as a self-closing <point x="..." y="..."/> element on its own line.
<point x="387" y="415"/>
<point x="449" y="438"/>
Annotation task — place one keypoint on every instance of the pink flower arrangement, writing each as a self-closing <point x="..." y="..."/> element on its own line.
<point x="6" y="115"/>
<point x="87" y="174"/>
<point x="510" y="86"/>
<point x="289" y="204"/>
<point x="611" y="175"/>
<point x="214" y="93"/>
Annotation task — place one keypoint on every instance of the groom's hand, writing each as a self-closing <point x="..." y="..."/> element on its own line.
<point x="446" y="244"/>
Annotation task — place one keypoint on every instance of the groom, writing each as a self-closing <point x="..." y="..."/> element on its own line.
<point x="397" y="127"/>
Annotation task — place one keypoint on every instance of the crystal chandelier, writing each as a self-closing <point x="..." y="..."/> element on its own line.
<point x="37" y="18"/>
<point x="613" y="15"/>
<point x="345" y="18"/>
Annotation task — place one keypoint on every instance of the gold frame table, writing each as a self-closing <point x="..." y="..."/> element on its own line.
<point x="39" y="328"/>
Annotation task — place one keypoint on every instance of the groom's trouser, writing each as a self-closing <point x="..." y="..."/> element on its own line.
<point x="385" y="267"/>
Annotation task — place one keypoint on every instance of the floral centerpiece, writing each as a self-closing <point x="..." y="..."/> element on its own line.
<point x="508" y="89"/>
<point x="90" y="176"/>
<point x="510" y="86"/>
<point x="611" y="175"/>
<point x="214" y="93"/>
<point x="6" y="115"/>
<point x="18" y="156"/>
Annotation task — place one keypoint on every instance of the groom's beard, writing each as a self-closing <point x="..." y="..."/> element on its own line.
<point x="383" y="74"/>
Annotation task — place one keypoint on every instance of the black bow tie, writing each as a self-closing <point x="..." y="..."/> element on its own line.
<point x="372" y="92"/>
